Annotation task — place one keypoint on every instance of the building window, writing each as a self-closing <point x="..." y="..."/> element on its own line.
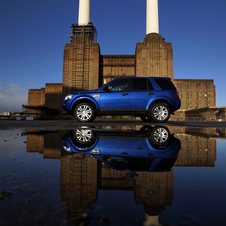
<point x="186" y="89"/>
<point x="186" y="95"/>
<point x="209" y="90"/>
<point x="209" y="102"/>
<point x="200" y="90"/>
<point x="190" y="101"/>
<point x="181" y="95"/>
<point x="200" y="101"/>
<point x="190" y="89"/>
<point x="196" y="90"/>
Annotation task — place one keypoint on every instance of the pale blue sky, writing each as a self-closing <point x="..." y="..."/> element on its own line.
<point x="33" y="34"/>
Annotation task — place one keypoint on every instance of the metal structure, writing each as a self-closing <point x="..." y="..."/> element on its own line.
<point x="82" y="31"/>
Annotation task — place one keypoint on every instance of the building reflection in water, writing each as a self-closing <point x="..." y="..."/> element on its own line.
<point x="83" y="174"/>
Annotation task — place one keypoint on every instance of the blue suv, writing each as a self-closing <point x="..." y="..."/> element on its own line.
<point x="150" y="98"/>
<point x="150" y="149"/>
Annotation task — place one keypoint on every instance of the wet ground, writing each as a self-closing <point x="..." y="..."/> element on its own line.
<point x="112" y="173"/>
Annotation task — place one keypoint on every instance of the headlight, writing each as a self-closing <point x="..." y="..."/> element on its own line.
<point x="95" y="151"/>
<point x="68" y="149"/>
<point x="68" y="97"/>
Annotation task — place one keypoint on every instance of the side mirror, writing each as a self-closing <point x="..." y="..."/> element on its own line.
<point x="108" y="89"/>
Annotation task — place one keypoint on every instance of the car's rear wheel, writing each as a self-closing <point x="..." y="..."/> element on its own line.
<point x="160" y="137"/>
<point x="160" y="112"/>
<point x="84" y="112"/>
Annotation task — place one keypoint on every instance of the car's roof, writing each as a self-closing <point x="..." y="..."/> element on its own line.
<point x="143" y="77"/>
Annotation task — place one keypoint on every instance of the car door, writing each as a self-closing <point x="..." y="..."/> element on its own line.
<point x="114" y="146"/>
<point x="142" y="93"/>
<point x="116" y="97"/>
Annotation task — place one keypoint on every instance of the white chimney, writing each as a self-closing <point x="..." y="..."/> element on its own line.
<point x="152" y="17"/>
<point x="84" y="12"/>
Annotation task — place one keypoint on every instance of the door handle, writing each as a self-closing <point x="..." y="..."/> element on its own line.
<point x="149" y="93"/>
<point x="123" y="153"/>
<point x="124" y="94"/>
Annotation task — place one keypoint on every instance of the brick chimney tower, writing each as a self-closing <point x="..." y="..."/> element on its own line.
<point x="154" y="56"/>
<point x="82" y="54"/>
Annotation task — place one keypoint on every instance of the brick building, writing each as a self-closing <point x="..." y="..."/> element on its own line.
<point x="84" y="68"/>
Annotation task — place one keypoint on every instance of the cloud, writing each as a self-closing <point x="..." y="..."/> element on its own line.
<point x="12" y="96"/>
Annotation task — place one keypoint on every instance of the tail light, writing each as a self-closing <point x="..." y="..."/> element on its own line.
<point x="176" y="94"/>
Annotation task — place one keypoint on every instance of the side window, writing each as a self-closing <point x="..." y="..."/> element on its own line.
<point x="119" y="85"/>
<point x="165" y="84"/>
<point x="142" y="84"/>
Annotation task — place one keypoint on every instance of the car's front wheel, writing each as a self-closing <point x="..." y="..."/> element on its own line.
<point x="83" y="138"/>
<point x="160" y="112"/>
<point x="84" y="112"/>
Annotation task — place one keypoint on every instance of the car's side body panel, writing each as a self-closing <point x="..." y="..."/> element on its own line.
<point x="127" y="96"/>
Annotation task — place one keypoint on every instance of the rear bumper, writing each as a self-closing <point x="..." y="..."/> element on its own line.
<point x="176" y="105"/>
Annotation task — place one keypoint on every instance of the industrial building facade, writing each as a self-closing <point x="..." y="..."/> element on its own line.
<point x="84" y="68"/>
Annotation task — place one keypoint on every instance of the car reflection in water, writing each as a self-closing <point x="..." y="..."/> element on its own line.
<point x="151" y="149"/>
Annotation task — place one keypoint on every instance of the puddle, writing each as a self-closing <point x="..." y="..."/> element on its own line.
<point x="129" y="175"/>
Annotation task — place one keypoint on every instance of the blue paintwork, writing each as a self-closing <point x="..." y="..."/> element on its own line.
<point x="130" y="101"/>
<point x="125" y="146"/>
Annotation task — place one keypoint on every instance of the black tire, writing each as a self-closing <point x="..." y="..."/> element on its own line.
<point x="84" y="112"/>
<point x="146" y="119"/>
<point x="160" y="137"/>
<point x="160" y="112"/>
<point x="83" y="138"/>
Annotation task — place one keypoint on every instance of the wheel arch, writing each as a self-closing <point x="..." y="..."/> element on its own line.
<point x="161" y="101"/>
<point x="84" y="100"/>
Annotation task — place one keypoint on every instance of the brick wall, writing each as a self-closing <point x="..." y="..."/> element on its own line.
<point x="154" y="57"/>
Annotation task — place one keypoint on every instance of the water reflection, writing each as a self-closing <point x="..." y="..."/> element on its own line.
<point x="151" y="149"/>
<point x="99" y="163"/>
